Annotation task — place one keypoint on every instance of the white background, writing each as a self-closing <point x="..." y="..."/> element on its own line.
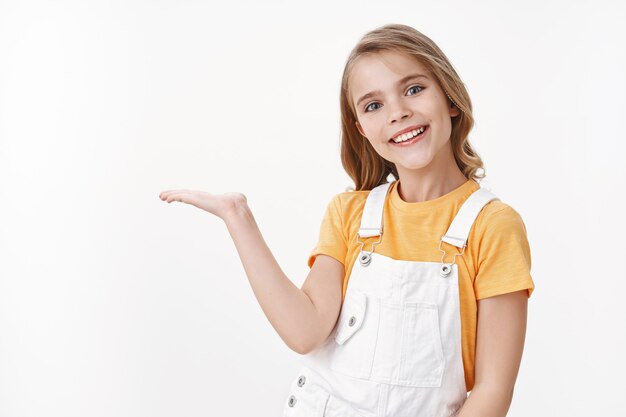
<point x="114" y="303"/>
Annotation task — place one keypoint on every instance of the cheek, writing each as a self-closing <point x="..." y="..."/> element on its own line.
<point x="372" y="125"/>
<point x="367" y="129"/>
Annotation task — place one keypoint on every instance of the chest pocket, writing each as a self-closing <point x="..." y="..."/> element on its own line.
<point x="355" y="336"/>
<point x="398" y="344"/>
<point x="421" y="352"/>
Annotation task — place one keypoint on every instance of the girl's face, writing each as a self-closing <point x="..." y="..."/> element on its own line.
<point x="403" y="95"/>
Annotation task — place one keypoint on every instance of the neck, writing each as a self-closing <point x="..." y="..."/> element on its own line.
<point x="436" y="179"/>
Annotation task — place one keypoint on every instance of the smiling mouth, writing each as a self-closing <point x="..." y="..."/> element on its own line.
<point x="411" y="140"/>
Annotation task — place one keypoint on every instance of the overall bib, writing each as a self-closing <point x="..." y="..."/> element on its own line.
<point x="396" y="348"/>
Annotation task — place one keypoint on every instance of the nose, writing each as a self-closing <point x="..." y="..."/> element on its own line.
<point x="398" y="111"/>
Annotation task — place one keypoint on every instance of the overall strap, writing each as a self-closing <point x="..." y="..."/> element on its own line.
<point x="458" y="231"/>
<point x="372" y="217"/>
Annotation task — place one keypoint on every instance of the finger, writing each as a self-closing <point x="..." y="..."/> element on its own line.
<point x="167" y="193"/>
<point x="175" y="196"/>
<point x="164" y="194"/>
<point x="183" y="196"/>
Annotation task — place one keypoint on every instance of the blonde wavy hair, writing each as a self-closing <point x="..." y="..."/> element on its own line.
<point x="366" y="167"/>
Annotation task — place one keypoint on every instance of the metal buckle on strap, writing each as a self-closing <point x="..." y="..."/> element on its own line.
<point x="446" y="268"/>
<point x="366" y="257"/>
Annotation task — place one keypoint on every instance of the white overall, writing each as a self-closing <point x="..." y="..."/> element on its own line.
<point x="396" y="348"/>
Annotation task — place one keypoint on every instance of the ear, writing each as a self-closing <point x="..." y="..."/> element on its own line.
<point x="454" y="110"/>
<point x="358" y="126"/>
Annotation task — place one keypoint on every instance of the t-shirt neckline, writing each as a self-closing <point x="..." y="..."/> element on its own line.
<point x="458" y="194"/>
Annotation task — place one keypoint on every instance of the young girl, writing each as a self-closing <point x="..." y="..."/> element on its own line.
<point x="418" y="286"/>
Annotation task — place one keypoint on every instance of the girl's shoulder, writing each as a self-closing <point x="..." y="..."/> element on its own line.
<point x="345" y="208"/>
<point x="346" y="203"/>
<point x="498" y="220"/>
<point x="351" y="203"/>
<point x="498" y="209"/>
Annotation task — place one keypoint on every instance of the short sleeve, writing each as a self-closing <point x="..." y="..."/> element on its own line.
<point x="504" y="260"/>
<point x="332" y="241"/>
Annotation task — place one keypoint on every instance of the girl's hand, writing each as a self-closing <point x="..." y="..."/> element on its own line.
<point x="218" y="204"/>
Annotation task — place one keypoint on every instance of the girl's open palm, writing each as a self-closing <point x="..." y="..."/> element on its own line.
<point x="218" y="204"/>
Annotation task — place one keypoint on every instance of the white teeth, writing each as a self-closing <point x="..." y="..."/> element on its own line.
<point x="409" y="135"/>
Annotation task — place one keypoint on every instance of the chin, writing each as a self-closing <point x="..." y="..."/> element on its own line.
<point x="413" y="165"/>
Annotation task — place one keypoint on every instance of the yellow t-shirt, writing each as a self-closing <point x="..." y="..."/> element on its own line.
<point x="496" y="259"/>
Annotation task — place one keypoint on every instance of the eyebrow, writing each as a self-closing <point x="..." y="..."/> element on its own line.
<point x="401" y="81"/>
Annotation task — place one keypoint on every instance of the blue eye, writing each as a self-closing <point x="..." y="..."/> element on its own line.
<point x="368" y="106"/>
<point x="411" y="88"/>
<point x="416" y="86"/>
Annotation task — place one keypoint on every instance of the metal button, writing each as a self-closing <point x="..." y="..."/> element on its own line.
<point x="292" y="401"/>
<point x="301" y="380"/>
<point x="352" y="321"/>
<point x="445" y="270"/>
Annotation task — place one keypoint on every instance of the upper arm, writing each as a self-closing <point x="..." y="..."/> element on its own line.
<point x="500" y="340"/>
<point x="502" y="253"/>
<point x="323" y="285"/>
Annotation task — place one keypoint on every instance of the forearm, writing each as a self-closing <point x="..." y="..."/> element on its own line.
<point x="486" y="401"/>
<point x="289" y="310"/>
